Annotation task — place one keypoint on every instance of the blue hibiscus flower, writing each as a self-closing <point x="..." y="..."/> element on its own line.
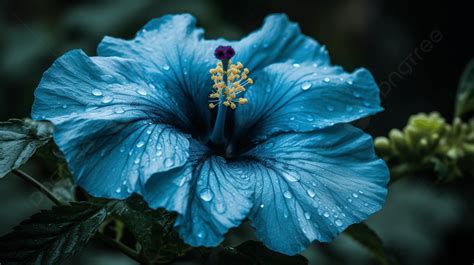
<point x="160" y="116"/>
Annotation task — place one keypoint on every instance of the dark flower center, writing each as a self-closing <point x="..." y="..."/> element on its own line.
<point x="224" y="53"/>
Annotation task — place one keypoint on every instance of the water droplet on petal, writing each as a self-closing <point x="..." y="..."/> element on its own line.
<point x="142" y="92"/>
<point x="206" y="195"/>
<point x="292" y="118"/>
<point x="291" y="177"/>
<point x="262" y="205"/>
<point x="287" y="194"/>
<point x="306" y="86"/>
<point x="169" y="162"/>
<point x="107" y="99"/>
<point x="307" y="215"/>
<point x="349" y="82"/>
<point x="327" y="80"/>
<point x="201" y="234"/>
<point x="166" y="67"/>
<point x="326" y="214"/>
<point x="159" y="153"/>
<point x="122" y="149"/>
<point x="311" y="193"/>
<point x="220" y="208"/>
<point x="366" y="204"/>
<point x="338" y="222"/>
<point x="119" y="110"/>
<point x="118" y="190"/>
<point x="349" y="200"/>
<point x="96" y="92"/>
<point x="151" y="86"/>
<point x="366" y="103"/>
<point x="136" y="161"/>
<point x="355" y="195"/>
<point x="140" y="144"/>
<point x="296" y="65"/>
<point x="356" y="94"/>
<point x="64" y="106"/>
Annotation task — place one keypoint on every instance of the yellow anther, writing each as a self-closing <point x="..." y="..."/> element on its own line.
<point x="243" y="101"/>
<point x="228" y="84"/>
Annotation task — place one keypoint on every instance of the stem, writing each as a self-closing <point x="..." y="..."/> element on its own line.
<point x="111" y="242"/>
<point x="38" y="185"/>
<point x="118" y="245"/>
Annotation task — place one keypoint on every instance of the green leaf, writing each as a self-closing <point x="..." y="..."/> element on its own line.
<point x="19" y="140"/>
<point x="363" y="234"/>
<point x="51" y="237"/>
<point x="153" y="229"/>
<point x="465" y="94"/>
<point x="255" y="251"/>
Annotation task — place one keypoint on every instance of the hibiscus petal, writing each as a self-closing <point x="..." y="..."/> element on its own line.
<point x="174" y="48"/>
<point x="210" y="195"/>
<point x="110" y="123"/>
<point x="278" y="40"/>
<point x="312" y="186"/>
<point x="304" y="98"/>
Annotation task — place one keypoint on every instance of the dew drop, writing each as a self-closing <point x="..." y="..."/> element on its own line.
<point x="311" y="193"/>
<point x="142" y="92"/>
<point x="349" y="82"/>
<point x="64" y="106"/>
<point x="338" y="222"/>
<point x="292" y="118"/>
<point x="220" y="208"/>
<point x="287" y="194"/>
<point x="140" y="144"/>
<point x="119" y="110"/>
<point x="306" y="86"/>
<point x="201" y="234"/>
<point x="166" y="67"/>
<point x="122" y="149"/>
<point x="315" y="65"/>
<point x="349" y="200"/>
<point x="307" y="215"/>
<point x="366" y="204"/>
<point x="182" y="181"/>
<point x="107" y="99"/>
<point x="169" y="162"/>
<point x="151" y="86"/>
<point x="356" y="94"/>
<point x="327" y="80"/>
<point x="136" y="161"/>
<point x="326" y="214"/>
<point x="206" y="195"/>
<point x="366" y="103"/>
<point x="291" y="177"/>
<point x="296" y="65"/>
<point x="96" y="92"/>
<point x="159" y="153"/>
<point x="355" y="195"/>
<point x="262" y="205"/>
<point x="118" y="190"/>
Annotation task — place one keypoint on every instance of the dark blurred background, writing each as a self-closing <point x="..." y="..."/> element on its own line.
<point x="415" y="51"/>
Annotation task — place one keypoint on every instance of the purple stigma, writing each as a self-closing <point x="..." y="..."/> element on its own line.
<point x="224" y="53"/>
